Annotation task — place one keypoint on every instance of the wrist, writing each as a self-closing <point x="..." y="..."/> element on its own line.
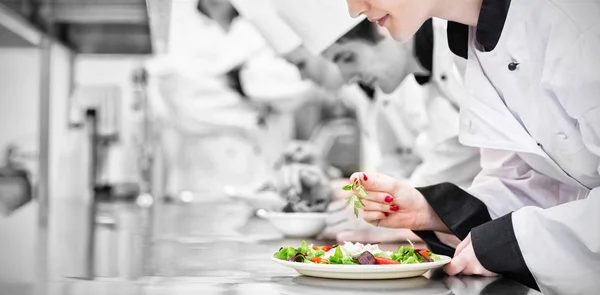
<point x="434" y="222"/>
<point x="427" y="219"/>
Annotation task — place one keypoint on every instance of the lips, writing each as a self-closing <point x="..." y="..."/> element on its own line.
<point x="368" y="81"/>
<point x="381" y="22"/>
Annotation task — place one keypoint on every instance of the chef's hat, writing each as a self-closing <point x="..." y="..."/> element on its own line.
<point x="318" y="22"/>
<point x="264" y="17"/>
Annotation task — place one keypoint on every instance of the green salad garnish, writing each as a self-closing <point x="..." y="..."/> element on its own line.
<point x="310" y="254"/>
<point x="359" y="193"/>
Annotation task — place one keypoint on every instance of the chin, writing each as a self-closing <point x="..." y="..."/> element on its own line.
<point x="387" y="88"/>
<point x="401" y="35"/>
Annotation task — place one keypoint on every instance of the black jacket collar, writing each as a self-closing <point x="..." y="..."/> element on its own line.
<point x="492" y="18"/>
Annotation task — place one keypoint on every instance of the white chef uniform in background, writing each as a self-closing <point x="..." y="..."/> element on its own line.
<point x="283" y="40"/>
<point x="212" y="136"/>
<point x="333" y="23"/>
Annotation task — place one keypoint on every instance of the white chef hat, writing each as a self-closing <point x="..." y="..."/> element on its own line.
<point x="264" y="17"/>
<point x="318" y="22"/>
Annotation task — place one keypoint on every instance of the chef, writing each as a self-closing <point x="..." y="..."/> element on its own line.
<point x="364" y="54"/>
<point x="326" y="89"/>
<point x="212" y="139"/>
<point x="532" y="213"/>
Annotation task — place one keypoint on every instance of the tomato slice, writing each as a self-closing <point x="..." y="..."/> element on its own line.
<point x="324" y="248"/>
<point x="316" y="259"/>
<point x="424" y="253"/>
<point x="383" y="260"/>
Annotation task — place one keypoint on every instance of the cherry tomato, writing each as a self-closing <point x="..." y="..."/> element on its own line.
<point x="383" y="260"/>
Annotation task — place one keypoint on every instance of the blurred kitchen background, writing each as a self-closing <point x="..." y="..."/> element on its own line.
<point x="124" y="124"/>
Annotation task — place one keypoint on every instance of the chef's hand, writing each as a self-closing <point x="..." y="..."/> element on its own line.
<point x="395" y="204"/>
<point x="465" y="261"/>
<point x="300" y="152"/>
<point x="304" y="186"/>
<point x="342" y="225"/>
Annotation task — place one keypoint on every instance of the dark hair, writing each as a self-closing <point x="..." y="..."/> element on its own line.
<point x="200" y="7"/>
<point x="234" y="81"/>
<point x="365" y="30"/>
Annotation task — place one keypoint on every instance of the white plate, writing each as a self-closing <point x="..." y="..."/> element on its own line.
<point x="363" y="272"/>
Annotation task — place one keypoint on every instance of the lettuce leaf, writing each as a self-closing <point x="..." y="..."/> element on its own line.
<point x="286" y="253"/>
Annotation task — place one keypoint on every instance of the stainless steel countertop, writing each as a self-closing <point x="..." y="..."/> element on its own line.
<point x="200" y="249"/>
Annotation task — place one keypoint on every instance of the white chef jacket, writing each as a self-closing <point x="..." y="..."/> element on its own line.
<point x="535" y="112"/>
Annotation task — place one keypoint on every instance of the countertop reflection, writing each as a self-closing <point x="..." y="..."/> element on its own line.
<point x="202" y="249"/>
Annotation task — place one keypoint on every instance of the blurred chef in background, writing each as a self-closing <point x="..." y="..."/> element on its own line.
<point x="213" y="136"/>
<point x="326" y="90"/>
<point x="365" y="54"/>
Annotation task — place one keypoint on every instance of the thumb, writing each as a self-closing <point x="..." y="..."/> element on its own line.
<point x="456" y="265"/>
<point x="377" y="182"/>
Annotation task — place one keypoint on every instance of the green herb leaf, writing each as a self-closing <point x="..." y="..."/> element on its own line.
<point x="361" y="202"/>
<point x="361" y="191"/>
<point x="349" y="199"/>
<point x="357" y="196"/>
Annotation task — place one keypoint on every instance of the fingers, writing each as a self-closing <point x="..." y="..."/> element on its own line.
<point x="292" y="180"/>
<point x="463" y="245"/>
<point x="371" y="216"/>
<point x="466" y="263"/>
<point x="375" y="206"/>
<point x="381" y="198"/>
<point x="456" y="266"/>
<point x="377" y="182"/>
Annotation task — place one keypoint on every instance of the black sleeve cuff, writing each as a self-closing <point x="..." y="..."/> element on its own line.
<point x="497" y="249"/>
<point x="434" y="244"/>
<point x="457" y="209"/>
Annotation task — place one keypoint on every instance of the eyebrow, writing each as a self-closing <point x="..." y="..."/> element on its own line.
<point x="337" y="57"/>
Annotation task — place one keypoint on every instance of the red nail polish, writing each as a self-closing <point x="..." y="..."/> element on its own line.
<point x="386" y="214"/>
<point x="388" y="199"/>
<point x="394" y="208"/>
<point x="365" y="178"/>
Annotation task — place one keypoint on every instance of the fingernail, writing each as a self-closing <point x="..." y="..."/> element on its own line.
<point x="365" y="178"/>
<point x="386" y="214"/>
<point x="388" y="199"/>
<point x="394" y="208"/>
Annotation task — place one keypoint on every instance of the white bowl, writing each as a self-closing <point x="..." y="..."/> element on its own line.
<point x="296" y="225"/>
<point x="261" y="200"/>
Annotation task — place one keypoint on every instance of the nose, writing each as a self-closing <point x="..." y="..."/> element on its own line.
<point x="357" y="7"/>
<point x="347" y="74"/>
<point x="303" y="75"/>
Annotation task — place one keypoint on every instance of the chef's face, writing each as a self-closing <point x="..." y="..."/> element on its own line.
<point x="221" y="11"/>
<point x="315" y="68"/>
<point x="401" y="17"/>
<point x="378" y="64"/>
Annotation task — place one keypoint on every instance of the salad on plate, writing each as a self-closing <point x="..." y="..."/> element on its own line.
<point x="355" y="254"/>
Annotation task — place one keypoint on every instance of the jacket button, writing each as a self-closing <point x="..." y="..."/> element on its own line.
<point x="513" y="66"/>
